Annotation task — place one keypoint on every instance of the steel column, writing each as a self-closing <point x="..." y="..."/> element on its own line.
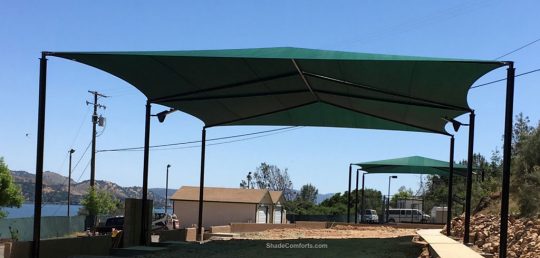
<point x="144" y="217"/>
<point x="201" y="186"/>
<point x="450" y="189"/>
<point x="469" y="179"/>
<point x="507" y="151"/>
<point x="167" y="189"/>
<point x="356" y="199"/>
<point x="349" y="196"/>
<point x="363" y="211"/>
<point x="71" y="151"/>
<point x="39" y="153"/>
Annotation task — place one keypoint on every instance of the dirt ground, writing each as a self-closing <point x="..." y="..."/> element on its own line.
<point x="336" y="232"/>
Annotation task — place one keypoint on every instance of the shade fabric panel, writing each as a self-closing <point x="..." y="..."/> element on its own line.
<point x="412" y="165"/>
<point x="299" y="87"/>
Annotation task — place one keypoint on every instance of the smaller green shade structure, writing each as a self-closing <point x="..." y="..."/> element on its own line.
<point x="412" y="165"/>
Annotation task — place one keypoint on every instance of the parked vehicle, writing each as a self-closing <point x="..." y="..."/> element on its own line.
<point x="407" y="215"/>
<point x="114" y="222"/>
<point x="370" y="216"/>
<point x="162" y="221"/>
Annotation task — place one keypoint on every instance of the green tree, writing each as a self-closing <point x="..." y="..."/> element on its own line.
<point x="308" y="193"/>
<point x="273" y="178"/>
<point x="403" y="193"/>
<point x="526" y="172"/>
<point x="337" y="204"/>
<point x="99" y="202"/>
<point x="10" y="193"/>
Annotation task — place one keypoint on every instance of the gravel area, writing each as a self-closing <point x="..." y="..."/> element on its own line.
<point x="336" y="232"/>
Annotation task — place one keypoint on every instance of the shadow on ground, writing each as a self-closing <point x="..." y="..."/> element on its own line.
<point x="363" y="247"/>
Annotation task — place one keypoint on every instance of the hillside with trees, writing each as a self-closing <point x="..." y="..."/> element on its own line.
<point x="524" y="184"/>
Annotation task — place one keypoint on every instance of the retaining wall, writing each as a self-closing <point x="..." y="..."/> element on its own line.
<point x="61" y="247"/>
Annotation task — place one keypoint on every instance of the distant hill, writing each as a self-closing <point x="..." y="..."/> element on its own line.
<point x="55" y="188"/>
<point x="322" y="197"/>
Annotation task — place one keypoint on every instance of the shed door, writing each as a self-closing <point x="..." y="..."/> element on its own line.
<point x="261" y="214"/>
<point x="277" y="215"/>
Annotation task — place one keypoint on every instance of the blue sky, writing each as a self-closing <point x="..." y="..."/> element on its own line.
<point x="459" y="29"/>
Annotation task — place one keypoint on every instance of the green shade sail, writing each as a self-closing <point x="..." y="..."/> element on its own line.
<point x="299" y="87"/>
<point x="412" y="165"/>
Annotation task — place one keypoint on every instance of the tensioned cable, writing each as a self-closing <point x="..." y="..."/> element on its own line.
<point x="219" y="143"/>
<point x="504" y="79"/>
<point x="197" y="141"/>
<point x="518" y="49"/>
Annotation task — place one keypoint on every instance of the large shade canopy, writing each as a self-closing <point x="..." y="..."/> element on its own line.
<point x="412" y="165"/>
<point x="299" y="87"/>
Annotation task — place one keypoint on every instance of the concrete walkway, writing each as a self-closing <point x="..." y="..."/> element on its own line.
<point x="444" y="246"/>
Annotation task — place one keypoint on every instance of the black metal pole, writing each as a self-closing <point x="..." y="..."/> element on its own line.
<point x="363" y="211"/>
<point x="69" y="182"/>
<point x="469" y="179"/>
<point x="349" y="196"/>
<point x="201" y="186"/>
<point x="507" y="151"/>
<point x="450" y="188"/>
<point x="144" y="217"/>
<point x="167" y="188"/>
<point x="388" y="199"/>
<point x="93" y="157"/>
<point x="356" y="199"/>
<point x="39" y="153"/>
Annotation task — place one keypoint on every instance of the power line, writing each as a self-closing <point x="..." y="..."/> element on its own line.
<point x="219" y="143"/>
<point x="65" y="179"/>
<point x="197" y="141"/>
<point x="82" y="173"/>
<point x="504" y="79"/>
<point x="517" y="49"/>
<point x="85" y="150"/>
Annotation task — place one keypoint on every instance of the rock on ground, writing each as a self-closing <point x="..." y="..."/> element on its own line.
<point x="523" y="234"/>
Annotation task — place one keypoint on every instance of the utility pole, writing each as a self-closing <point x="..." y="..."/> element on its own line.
<point x="94" y="123"/>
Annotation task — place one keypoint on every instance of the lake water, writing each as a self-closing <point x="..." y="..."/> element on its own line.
<point x="27" y="210"/>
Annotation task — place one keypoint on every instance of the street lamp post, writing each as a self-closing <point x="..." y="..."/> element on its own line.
<point x="167" y="188"/>
<point x="69" y="182"/>
<point x="388" y="196"/>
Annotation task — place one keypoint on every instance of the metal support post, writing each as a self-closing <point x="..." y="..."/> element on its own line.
<point x="39" y="153"/>
<point x="468" y="193"/>
<point x="144" y="217"/>
<point x="201" y="187"/>
<point x="356" y="199"/>
<point x="450" y="189"/>
<point x="507" y="151"/>
<point x="349" y="196"/>
<point x="363" y="211"/>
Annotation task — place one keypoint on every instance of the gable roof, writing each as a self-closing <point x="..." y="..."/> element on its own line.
<point x="276" y="196"/>
<point x="220" y="194"/>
